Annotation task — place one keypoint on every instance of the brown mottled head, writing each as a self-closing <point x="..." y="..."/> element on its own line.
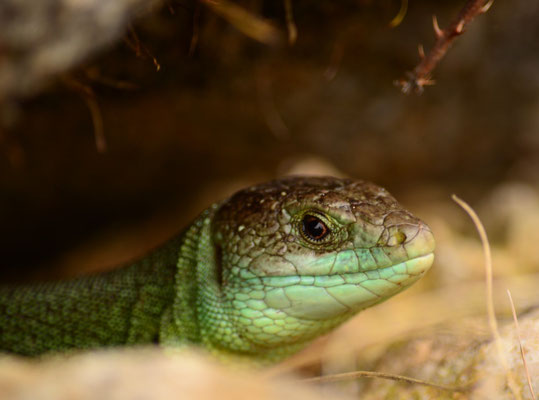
<point x="314" y="249"/>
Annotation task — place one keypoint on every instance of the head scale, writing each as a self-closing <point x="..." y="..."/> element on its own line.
<point x="299" y="255"/>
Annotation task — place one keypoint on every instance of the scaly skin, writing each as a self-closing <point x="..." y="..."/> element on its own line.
<point x="257" y="276"/>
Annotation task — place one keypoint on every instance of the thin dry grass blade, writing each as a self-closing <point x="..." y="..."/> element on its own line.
<point x="513" y="311"/>
<point x="489" y="299"/>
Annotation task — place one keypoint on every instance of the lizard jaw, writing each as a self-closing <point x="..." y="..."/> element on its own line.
<point x="327" y="296"/>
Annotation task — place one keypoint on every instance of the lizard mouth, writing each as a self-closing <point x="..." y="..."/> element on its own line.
<point x="397" y="274"/>
<point x="393" y="273"/>
<point x="320" y="297"/>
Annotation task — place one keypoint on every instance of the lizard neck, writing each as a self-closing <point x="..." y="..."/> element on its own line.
<point x="198" y="314"/>
<point x="202" y="313"/>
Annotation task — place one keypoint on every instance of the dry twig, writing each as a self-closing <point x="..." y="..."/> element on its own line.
<point x="266" y="99"/>
<point x="291" y="25"/>
<point x="244" y="21"/>
<point x="396" y="21"/>
<point x="371" y="374"/>
<point x="94" y="75"/>
<point x="421" y="75"/>
<point x="89" y="97"/>
<point x="141" y="51"/>
<point x="196" y="29"/>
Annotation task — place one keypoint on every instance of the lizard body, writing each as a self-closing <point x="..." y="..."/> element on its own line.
<point x="258" y="275"/>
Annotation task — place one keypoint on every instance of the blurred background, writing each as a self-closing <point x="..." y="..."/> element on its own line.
<point x="119" y="124"/>
<point x="121" y="121"/>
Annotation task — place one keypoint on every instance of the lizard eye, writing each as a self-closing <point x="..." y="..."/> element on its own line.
<point x="314" y="228"/>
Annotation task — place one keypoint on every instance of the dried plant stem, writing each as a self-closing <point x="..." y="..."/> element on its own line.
<point x="489" y="296"/>
<point x="89" y="97"/>
<point x="421" y="75"/>
<point x="396" y="21"/>
<point x="371" y="374"/>
<point x="528" y="376"/>
<point x="291" y="25"/>
<point x="94" y="75"/>
<point x="266" y="99"/>
<point x="244" y="21"/>
<point x="132" y="40"/>
<point x="196" y="30"/>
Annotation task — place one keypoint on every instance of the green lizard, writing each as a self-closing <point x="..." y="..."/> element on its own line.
<point x="257" y="276"/>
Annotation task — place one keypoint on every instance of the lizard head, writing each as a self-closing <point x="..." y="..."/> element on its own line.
<point x="298" y="256"/>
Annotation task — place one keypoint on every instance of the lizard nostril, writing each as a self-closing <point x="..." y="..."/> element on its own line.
<point x="396" y="238"/>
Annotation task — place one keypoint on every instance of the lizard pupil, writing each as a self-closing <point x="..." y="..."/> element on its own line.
<point x="314" y="228"/>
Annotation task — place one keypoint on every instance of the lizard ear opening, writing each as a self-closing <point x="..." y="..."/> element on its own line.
<point x="219" y="264"/>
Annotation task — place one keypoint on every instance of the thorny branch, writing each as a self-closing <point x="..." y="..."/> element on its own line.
<point x="421" y="75"/>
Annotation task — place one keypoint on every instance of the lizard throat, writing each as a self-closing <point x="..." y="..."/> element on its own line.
<point x="322" y="297"/>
